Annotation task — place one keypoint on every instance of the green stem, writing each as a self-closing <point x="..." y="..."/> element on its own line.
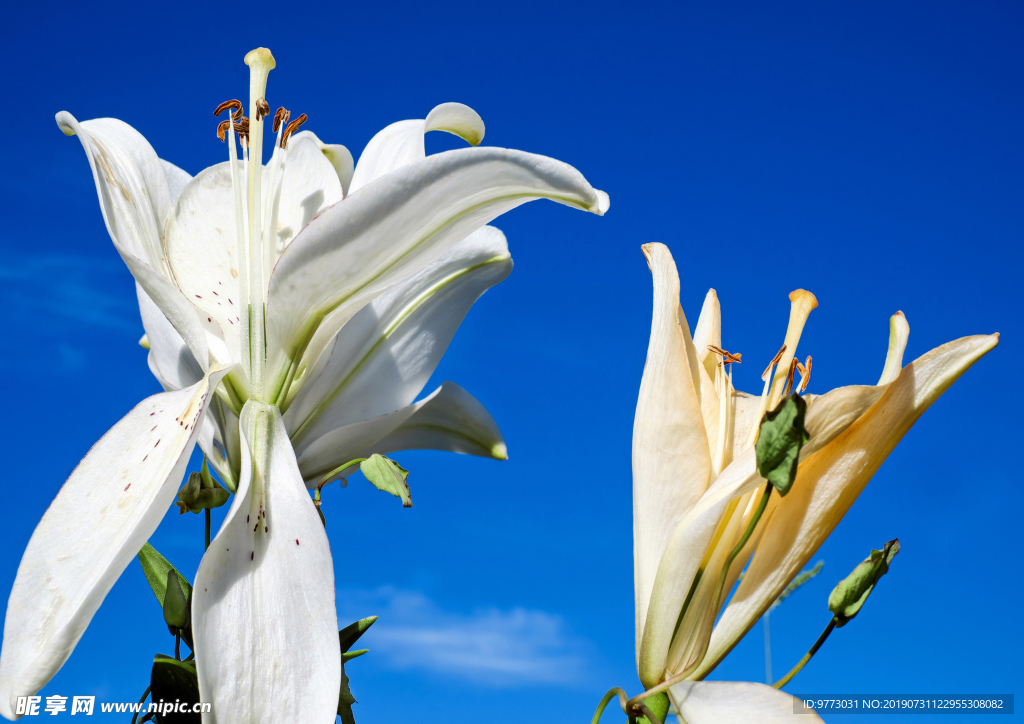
<point x="144" y="695"/>
<point x="807" y="657"/>
<point x="337" y="470"/>
<point x="615" y="691"/>
<point x="207" y="536"/>
<point x="177" y="646"/>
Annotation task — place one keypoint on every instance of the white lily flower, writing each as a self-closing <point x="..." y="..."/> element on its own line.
<point x="315" y="299"/>
<point x="695" y="483"/>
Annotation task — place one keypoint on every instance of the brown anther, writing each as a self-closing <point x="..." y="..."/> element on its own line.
<point x="805" y="374"/>
<point x="236" y="106"/>
<point x="262" y="109"/>
<point x="729" y="357"/>
<point x="790" y="377"/>
<point x="282" y="116"/>
<point x="775" y="361"/>
<point x="242" y="127"/>
<point x="222" y="128"/>
<point x="290" y="129"/>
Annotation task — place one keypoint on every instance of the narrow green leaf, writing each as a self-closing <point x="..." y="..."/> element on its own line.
<point x="353" y="654"/>
<point x="345" y="699"/>
<point x="351" y="633"/>
<point x="172" y="681"/>
<point x="781" y="436"/>
<point x="849" y="596"/>
<point x="155" y="568"/>
<point x="389" y="476"/>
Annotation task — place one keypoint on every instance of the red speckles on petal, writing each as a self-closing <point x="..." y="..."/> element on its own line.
<point x="209" y="319"/>
<point x="296" y="541"/>
<point x="214" y="293"/>
<point x="127" y="486"/>
<point x="145" y="458"/>
<point x="230" y="322"/>
<point x="266" y="529"/>
<point x="230" y="302"/>
<point x="157" y="442"/>
<point x="151" y="414"/>
<point x="198" y="297"/>
<point x="153" y="428"/>
<point x="252" y="555"/>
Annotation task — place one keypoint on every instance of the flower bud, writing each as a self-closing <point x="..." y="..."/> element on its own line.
<point x="176" y="612"/>
<point x="846" y="599"/>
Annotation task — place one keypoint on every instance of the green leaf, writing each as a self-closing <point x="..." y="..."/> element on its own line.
<point x="659" y="705"/>
<point x="353" y="654"/>
<point x="779" y="441"/>
<point x="345" y="699"/>
<point x="849" y="596"/>
<point x="351" y="633"/>
<point x="155" y="568"/>
<point x="172" y="680"/>
<point x="388" y="476"/>
<point x="175" y="604"/>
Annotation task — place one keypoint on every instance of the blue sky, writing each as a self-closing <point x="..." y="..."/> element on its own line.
<point x="869" y="152"/>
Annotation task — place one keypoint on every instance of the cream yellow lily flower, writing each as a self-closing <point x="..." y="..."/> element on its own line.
<point x="695" y="483"/>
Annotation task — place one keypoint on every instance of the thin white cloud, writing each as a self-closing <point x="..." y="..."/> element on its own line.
<point x="488" y="646"/>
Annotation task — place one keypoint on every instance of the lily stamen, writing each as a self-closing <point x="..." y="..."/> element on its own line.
<point x="729" y="357"/>
<point x="775" y="360"/>
<point x="234" y="105"/>
<point x="805" y="374"/>
<point x="262" y="109"/>
<point x="791" y="376"/>
<point x="282" y="116"/>
<point x="292" y="127"/>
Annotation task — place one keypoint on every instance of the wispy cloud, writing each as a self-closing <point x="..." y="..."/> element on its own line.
<point x="48" y="292"/>
<point x="489" y="646"/>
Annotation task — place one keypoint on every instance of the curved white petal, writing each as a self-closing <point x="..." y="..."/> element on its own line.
<point x="176" y="179"/>
<point x="401" y="143"/>
<point x="311" y="183"/>
<point x="448" y="419"/>
<point x="339" y="156"/>
<point x="374" y="238"/>
<point x="709" y="327"/>
<point x="263" y="608"/>
<point x="135" y="199"/>
<point x="737" y="702"/>
<point x="100" y="519"/>
<point x="451" y="420"/>
<point x="671" y="456"/>
<point x="383" y="357"/>
<point x="829" y="481"/>
<point x="458" y="119"/>
<point x="899" y="333"/>
<point x="170" y="360"/>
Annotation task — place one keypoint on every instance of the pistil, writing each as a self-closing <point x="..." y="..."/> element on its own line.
<point x="260" y="62"/>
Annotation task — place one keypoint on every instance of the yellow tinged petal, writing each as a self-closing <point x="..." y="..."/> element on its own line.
<point x="708" y="331"/>
<point x="829" y="481"/>
<point x="899" y="332"/>
<point x="671" y="454"/>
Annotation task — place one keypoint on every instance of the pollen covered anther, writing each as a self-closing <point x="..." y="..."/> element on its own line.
<point x="729" y="357"/>
<point x="222" y="128"/>
<point x="262" y="109"/>
<point x="792" y="375"/>
<point x="291" y="128"/>
<point x="282" y="116"/>
<point x="234" y="105"/>
<point x="775" y="361"/>
<point x="805" y="374"/>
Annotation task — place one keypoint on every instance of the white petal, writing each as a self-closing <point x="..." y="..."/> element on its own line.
<point x="311" y="184"/>
<point x="829" y="481"/>
<point x="98" y="522"/>
<point x="176" y="179"/>
<point x="737" y="702"/>
<point x="383" y="357"/>
<point x="170" y="359"/>
<point x="448" y="419"/>
<point x="452" y="420"/>
<point x="458" y="119"/>
<point x="135" y="199"/>
<point x="263" y="607"/>
<point x="709" y="329"/>
<point x="220" y="442"/>
<point x="671" y="457"/>
<point x="374" y="238"/>
<point x="401" y="144"/>
<point x="339" y="156"/>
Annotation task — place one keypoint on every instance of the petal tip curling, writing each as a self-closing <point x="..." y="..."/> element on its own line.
<point x="67" y="123"/>
<point x="603" y="203"/>
<point x="499" y="451"/>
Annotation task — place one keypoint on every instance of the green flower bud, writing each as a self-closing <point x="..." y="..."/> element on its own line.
<point x="779" y="441"/>
<point x="176" y="612"/>
<point x="201" y="491"/>
<point x="849" y="596"/>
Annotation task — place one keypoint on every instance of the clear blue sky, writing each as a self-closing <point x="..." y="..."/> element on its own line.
<point x="870" y="152"/>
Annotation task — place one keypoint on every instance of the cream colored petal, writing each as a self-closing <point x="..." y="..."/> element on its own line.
<point x="708" y="331"/>
<point x="737" y="702"/>
<point x="828" y="482"/>
<point x="899" y="332"/>
<point x="671" y="456"/>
